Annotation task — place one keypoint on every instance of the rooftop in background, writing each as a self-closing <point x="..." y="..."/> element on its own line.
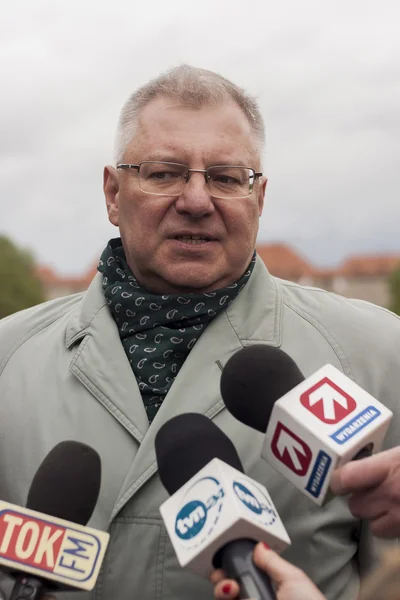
<point x="369" y="265"/>
<point x="284" y="262"/>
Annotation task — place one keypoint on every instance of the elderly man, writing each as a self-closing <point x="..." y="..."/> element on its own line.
<point x="176" y="295"/>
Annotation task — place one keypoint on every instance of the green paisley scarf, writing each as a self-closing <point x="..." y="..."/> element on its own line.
<point x="158" y="331"/>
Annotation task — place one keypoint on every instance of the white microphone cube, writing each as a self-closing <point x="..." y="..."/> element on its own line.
<point x="217" y="506"/>
<point x="320" y="425"/>
<point x="34" y="543"/>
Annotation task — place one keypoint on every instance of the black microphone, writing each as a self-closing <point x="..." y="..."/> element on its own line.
<point x="66" y="486"/>
<point x="214" y="505"/>
<point x="312" y="425"/>
<point x="67" y="483"/>
<point x="253" y="379"/>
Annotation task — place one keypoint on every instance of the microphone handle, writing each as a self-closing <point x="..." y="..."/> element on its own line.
<point x="237" y="562"/>
<point x="27" y="588"/>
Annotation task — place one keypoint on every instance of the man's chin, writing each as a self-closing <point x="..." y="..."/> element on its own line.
<point x="191" y="281"/>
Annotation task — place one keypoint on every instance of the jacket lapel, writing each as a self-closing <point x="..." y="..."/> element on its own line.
<point x="100" y="362"/>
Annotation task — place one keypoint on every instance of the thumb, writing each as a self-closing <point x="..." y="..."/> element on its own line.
<point x="277" y="568"/>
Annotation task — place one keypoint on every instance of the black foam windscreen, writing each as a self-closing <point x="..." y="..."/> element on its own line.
<point x="67" y="483"/>
<point x="185" y="444"/>
<point x="252" y="381"/>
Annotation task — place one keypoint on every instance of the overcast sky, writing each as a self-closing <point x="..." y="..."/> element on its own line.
<point x="327" y="76"/>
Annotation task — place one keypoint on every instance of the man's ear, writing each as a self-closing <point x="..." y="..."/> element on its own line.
<point x="261" y="194"/>
<point x="111" y="189"/>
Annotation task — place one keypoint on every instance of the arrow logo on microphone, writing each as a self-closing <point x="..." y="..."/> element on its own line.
<point x="328" y="402"/>
<point x="293" y="448"/>
<point x="329" y="398"/>
<point x="289" y="449"/>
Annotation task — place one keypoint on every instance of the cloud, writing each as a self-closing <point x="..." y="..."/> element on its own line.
<point x="327" y="78"/>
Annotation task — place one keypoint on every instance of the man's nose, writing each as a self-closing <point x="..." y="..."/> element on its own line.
<point x="195" y="199"/>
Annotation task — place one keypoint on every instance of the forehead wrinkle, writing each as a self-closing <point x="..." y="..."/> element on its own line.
<point x="166" y="137"/>
<point x="186" y="151"/>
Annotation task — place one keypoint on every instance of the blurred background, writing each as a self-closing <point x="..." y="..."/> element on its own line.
<point x="327" y="77"/>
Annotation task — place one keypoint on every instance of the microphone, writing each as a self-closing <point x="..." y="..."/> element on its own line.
<point x="47" y="542"/>
<point x="216" y="514"/>
<point x="312" y="425"/>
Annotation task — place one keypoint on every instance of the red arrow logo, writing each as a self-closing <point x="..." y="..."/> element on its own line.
<point x="328" y="402"/>
<point x="290" y="450"/>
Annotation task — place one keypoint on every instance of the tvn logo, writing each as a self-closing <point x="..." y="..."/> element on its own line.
<point x="247" y="498"/>
<point x="260" y="506"/>
<point x="48" y="548"/>
<point x="191" y="519"/>
<point x="196" y="515"/>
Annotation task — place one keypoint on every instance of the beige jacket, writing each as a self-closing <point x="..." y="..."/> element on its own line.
<point x="64" y="375"/>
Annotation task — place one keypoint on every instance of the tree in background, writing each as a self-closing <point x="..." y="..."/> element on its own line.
<point x="19" y="286"/>
<point x="395" y="291"/>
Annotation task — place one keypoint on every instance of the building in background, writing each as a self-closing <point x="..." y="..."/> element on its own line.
<point x="365" y="277"/>
<point x="56" y="285"/>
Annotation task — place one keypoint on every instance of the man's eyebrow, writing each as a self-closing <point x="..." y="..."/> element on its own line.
<point x="236" y="163"/>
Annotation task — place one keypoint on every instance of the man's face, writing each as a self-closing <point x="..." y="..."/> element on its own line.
<point x="151" y="225"/>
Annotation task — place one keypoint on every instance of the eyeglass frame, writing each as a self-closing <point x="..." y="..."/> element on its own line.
<point x="256" y="175"/>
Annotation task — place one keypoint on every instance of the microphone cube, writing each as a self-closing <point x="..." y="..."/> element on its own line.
<point x="68" y="554"/>
<point x="216" y="506"/>
<point x="320" y="425"/>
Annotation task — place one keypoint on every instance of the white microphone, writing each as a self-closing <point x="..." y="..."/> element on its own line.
<point x="312" y="425"/>
<point x="47" y="545"/>
<point x="216" y="514"/>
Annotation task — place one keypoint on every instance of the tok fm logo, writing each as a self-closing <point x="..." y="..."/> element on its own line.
<point x="328" y="402"/>
<point x="290" y="450"/>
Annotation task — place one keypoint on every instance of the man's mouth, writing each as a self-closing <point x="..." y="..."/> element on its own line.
<point x="193" y="239"/>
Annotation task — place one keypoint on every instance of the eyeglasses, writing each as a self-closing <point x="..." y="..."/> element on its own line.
<point x="169" y="179"/>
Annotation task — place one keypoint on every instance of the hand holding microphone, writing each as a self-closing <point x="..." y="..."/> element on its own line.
<point x="374" y="485"/>
<point x="215" y="513"/>
<point x="290" y="583"/>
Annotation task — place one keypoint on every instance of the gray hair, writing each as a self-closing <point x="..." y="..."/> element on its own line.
<point x="192" y="87"/>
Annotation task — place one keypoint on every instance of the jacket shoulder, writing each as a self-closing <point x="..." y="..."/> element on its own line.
<point x="364" y="336"/>
<point x="354" y="324"/>
<point x="348" y="320"/>
<point x="19" y="327"/>
<point x="333" y="307"/>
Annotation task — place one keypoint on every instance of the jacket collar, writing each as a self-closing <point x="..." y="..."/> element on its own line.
<point x="250" y="318"/>
<point x="256" y="314"/>
<point x="81" y="319"/>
